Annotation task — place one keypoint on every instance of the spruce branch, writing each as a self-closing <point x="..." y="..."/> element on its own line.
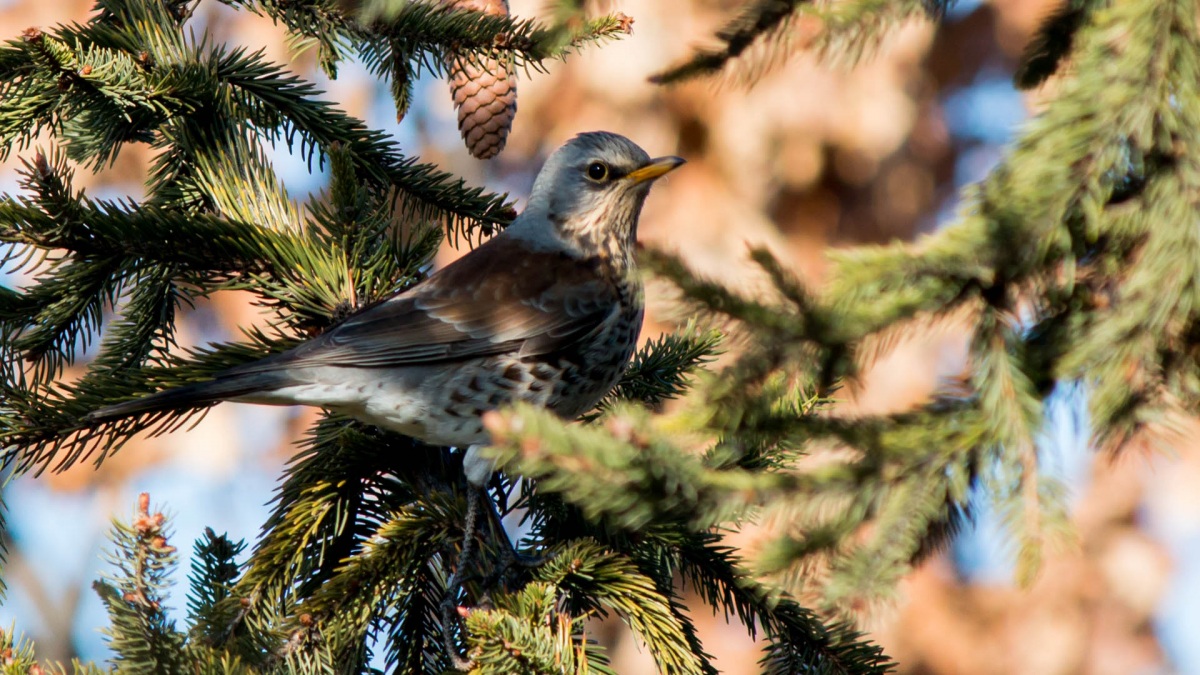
<point x="660" y="370"/>
<point x="130" y="232"/>
<point x="215" y="571"/>
<point x="19" y="653"/>
<point x="713" y="296"/>
<point x="289" y="105"/>
<point x="330" y="527"/>
<point x="797" y="638"/>
<point x="379" y="577"/>
<point x="427" y="29"/>
<point x="524" y="634"/>
<point x="657" y="563"/>
<point x="768" y="31"/>
<point x="142" y="636"/>
<point x="1057" y="233"/>
<point x="638" y="476"/>
<point x="528" y="42"/>
<point x="95" y="94"/>
<point x="338" y="488"/>
<point x="145" y="329"/>
<point x="1052" y="42"/>
<point x="761" y="18"/>
<point x="414" y="643"/>
<point x="134" y="94"/>
<point x="596" y="578"/>
<point x="47" y="426"/>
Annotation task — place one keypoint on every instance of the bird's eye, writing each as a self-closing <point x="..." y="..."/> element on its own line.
<point x="597" y="171"/>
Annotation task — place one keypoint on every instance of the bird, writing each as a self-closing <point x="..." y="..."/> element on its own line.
<point x="547" y="312"/>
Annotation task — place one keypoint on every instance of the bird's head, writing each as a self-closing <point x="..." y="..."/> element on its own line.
<point x="590" y="191"/>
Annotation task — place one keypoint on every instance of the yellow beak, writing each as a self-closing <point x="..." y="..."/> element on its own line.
<point x="657" y="167"/>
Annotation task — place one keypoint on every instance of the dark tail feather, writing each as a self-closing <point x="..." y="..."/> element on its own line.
<point x="192" y="395"/>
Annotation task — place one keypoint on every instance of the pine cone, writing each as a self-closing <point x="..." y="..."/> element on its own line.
<point x="484" y="91"/>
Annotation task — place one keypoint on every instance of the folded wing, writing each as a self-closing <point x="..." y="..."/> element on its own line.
<point x="504" y="299"/>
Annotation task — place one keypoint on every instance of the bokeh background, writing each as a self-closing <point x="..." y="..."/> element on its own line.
<point x="813" y="156"/>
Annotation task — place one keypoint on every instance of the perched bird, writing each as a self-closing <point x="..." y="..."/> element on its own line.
<point x="547" y="312"/>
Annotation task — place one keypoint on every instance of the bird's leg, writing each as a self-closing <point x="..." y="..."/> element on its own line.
<point x="450" y="604"/>
<point x="479" y="469"/>
<point x="479" y="472"/>
<point x="509" y="555"/>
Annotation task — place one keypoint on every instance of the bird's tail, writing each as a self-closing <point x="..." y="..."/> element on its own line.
<point x="224" y="387"/>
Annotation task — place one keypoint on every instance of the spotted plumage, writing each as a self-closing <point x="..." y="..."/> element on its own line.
<point x="548" y="312"/>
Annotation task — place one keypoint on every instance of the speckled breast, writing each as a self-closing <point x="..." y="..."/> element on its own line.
<point x="590" y="371"/>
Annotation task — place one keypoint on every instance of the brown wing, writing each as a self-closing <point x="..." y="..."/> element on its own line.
<point x="500" y="298"/>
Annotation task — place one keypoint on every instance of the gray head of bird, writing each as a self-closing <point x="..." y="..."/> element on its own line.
<point x="590" y="192"/>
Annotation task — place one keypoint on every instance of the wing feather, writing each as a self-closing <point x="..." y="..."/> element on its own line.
<point x="499" y="299"/>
